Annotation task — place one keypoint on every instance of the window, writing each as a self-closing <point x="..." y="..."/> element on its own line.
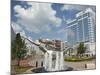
<point x="86" y="30"/>
<point x="80" y="31"/>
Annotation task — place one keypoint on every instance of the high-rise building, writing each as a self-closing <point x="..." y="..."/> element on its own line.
<point x="82" y="29"/>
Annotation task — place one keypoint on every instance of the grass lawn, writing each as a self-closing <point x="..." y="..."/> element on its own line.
<point x="77" y="59"/>
<point x="19" y="70"/>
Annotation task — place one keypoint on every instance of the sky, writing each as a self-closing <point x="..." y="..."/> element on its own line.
<point x="36" y="20"/>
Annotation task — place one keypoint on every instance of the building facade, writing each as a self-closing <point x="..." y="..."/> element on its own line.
<point x="83" y="29"/>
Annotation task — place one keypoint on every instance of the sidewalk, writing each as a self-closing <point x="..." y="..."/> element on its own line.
<point x="30" y="70"/>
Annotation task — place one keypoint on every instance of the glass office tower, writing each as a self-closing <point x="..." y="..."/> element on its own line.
<point x="86" y="25"/>
<point x="82" y="29"/>
<point x="72" y="32"/>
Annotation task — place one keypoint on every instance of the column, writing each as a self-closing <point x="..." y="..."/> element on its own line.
<point x="57" y="61"/>
<point x="61" y="57"/>
<point x="50" y="62"/>
<point x="45" y="61"/>
<point x="61" y="60"/>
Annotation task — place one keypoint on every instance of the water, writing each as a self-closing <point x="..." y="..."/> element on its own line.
<point x="51" y="65"/>
<point x="54" y="61"/>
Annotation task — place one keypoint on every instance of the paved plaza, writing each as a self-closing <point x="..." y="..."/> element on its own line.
<point x="80" y="65"/>
<point x="77" y="66"/>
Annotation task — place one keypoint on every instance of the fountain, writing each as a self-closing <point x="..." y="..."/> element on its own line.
<point x="53" y="57"/>
<point x="55" y="60"/>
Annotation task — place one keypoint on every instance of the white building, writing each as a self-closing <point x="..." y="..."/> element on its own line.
<point x="53" y="54"/>
<point x="83" y="28"/>
<point x="54" y="60"/>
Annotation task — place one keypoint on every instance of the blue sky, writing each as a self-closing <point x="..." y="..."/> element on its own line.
<point x="43" y="20"/>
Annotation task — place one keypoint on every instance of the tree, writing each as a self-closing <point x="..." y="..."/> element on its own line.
<point x="13" y="50"/>
<point x="81" y="48"/>
<point x="18" y="48"/>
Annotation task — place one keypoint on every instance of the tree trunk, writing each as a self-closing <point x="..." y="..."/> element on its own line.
<point x="18" y="63"/>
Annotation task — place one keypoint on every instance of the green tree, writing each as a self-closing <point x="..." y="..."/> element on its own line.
<point x="81" y="48"/>
<point x="18" y="48"/>
<point x="13" y="52"/>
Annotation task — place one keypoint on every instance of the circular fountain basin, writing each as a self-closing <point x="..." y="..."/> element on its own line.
<point x="42" y="70"/>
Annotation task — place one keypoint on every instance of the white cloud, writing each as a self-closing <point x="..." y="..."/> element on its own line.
<point x="37" y="17"/>
<point x="75" y="7"/>
<point x="30" y="38"/>
<point x="23" y="33"/>
<point x="18" y="29"/>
